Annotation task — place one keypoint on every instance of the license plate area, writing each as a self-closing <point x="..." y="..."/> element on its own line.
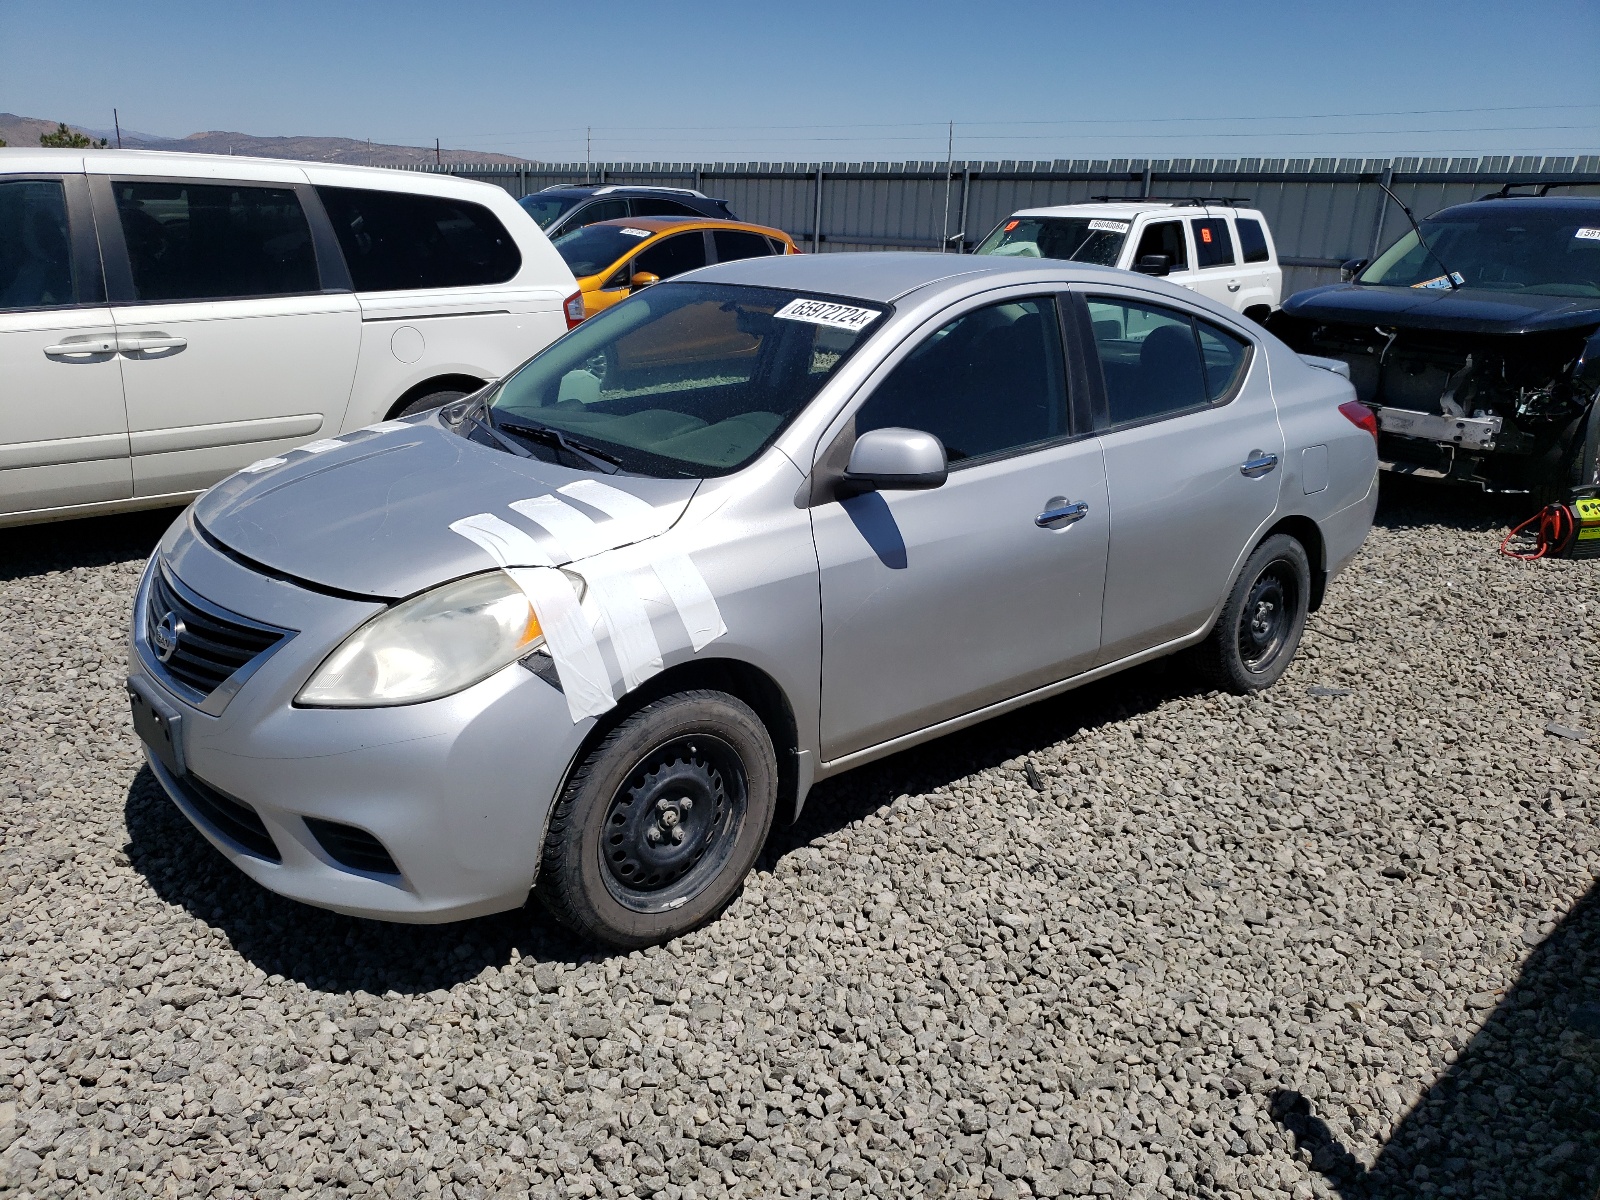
<point x="158" y="724"/>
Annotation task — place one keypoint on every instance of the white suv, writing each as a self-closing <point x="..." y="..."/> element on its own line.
<point x="1206" y="244"/>
<point x="166" y="319"/>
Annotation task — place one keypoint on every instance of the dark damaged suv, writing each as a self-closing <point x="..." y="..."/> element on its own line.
<point x="1478" y="344"/>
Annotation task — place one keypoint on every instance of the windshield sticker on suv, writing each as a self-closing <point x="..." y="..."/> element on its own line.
<point x="1109" y="226"/>
<point x="1440" y="281"/>
<point x="632" y="232"/>
<point x="1592" y="235"/>
<point x="822" y="312"/>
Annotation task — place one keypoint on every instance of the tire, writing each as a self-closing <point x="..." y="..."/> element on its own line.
<point x="1262" y="622"/>
<point x="629" y="860"/>
<point x="429" y="402"/>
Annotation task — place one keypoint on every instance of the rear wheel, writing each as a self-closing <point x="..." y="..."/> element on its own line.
<point x="1262" y="621"/>
<point x="660" y="823"/>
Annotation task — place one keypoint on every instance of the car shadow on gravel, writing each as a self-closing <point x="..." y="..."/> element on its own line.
<point x="1408" y="503"/>
<point x="1516" y="1115"/>
<point x="29" y="550"/>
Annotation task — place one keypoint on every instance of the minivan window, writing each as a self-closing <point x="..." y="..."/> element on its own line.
<point x="1252" y="241"/>
<point x="395" y="241"/>
<point x="35" y="247"/>
<point x="989" y="382"/>
<point x="685" y="379"/>
<point x="1213" y="247"/>
<point x="214" y="241"/>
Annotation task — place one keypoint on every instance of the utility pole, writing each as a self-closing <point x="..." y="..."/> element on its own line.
<point x="436" y="156"/>
<point x="588" y="146"/>
<point x="949" y="155"/>
<point x="117" y="125"/>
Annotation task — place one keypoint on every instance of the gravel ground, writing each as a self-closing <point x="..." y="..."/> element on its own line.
<point x="1139" y="941"/>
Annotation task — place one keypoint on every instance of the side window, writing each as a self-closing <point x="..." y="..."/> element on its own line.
<point x="1149" y="359"/>
<point x="393" y="241"/>
<point x="600" y="210"/>
<point x="988" y="382"/>
<point x="213" y="241"/>
<point x="655" y="206"/>
<point x="1213" y="246"/>
<point x="1252" y="240"/>
<point x="733" y="244"/>
<point x="673" y="256"/>
<point x="1224" y="356"/>
<point x="1164" y="237"/>
<point x="35" y="247"/>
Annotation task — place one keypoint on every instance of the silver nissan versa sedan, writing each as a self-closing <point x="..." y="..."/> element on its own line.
<point x="590" y="630"/>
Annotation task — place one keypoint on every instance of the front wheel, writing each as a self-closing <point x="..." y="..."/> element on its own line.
<point x="1261" y="624"/>
<point x="659" y="824"/>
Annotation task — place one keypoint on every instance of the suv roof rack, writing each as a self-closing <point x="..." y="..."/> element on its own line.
<point x="623" y="187"/>
<point x="1505" y="193"/>
<point x="1175" y="201"/>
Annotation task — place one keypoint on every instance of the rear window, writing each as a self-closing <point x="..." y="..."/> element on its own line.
<point x="734" y="244"/>
<point x="35" y="247"/>
<point x="1213" y="246"/>
<point x="395" y="241"/>
<point x="1252" y="241"/>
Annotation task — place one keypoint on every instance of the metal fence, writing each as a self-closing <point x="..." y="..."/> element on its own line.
<point x="1322" y="210"/>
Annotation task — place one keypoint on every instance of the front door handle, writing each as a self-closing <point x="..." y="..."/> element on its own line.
<point x="1258" y="464"/>
<point x="1065" y="514"/>
<point x="96" y="345"/>
<point x="1233" y="285"/>
<point x="153" y="341"/>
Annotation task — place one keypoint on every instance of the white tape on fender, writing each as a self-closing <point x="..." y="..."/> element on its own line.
<point x="262" y="464"/>
<point x="322" y="447"/>
<point x="584" y="678"/>
<point x="680" y="578"/>
<point x="575" y="533"/>
<point x="502" y="541"/>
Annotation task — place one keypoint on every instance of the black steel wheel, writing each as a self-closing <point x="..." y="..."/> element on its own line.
<point x="1262" y="620"/>
<point x="661" y="821"/>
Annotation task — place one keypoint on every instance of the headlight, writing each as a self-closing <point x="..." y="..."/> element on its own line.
<point x="430" y="646"/>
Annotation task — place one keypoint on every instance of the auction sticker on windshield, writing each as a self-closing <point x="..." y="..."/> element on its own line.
<point x="1441" y="281"/>
<point x="1109" y="226"/>
<point x="822" y="312"/>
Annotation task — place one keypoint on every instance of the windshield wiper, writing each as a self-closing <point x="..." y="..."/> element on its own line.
<point x="474" y="415"/>
<point x="591" y="455"/>
<point x="1449" y="275"/>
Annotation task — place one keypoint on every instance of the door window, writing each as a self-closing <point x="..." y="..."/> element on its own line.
<point x="673" y="256"/>
<point x="213" y="241"/>
<point x="990" y="382"/>
<point x="1253" y="241"/>
<point x="1213" y="245"/>
<point x="600" y="210"/>
<point x="1164" y="237"/>
<point x="1149" y="359"/>
<point x="734" y="244"/>
<point x="35" y="248"/>
<point x="655" y="206"/>
<point x="1224" y="356"/>
<point x="394" y="241"/>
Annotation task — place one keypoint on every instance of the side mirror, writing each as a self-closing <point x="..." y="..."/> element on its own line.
<point x="1351" y="267"/>
<point x="643" y="279"/>
<point x="1154" y="264"/>
<point x="896" y="460"/>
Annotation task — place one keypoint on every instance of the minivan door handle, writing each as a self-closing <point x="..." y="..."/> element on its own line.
<point x="153" y="341"/>
<point x="1258" y="464"/>
<point x="1065" y="514"/>
<point x="94" y="345"/>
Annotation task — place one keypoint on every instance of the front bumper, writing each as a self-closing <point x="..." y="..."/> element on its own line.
<point x="455" y="791"/>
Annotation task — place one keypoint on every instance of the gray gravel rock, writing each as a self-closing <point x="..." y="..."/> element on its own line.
<point x="1140" y="941"/>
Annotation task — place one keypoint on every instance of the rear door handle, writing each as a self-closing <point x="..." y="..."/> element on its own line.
<point x="1258" y="464"/>
<point x="1066" y="514"/>
<point x="153" y="341"/>
<point x="1233" y="285"/>
<point x="95" y="345"/>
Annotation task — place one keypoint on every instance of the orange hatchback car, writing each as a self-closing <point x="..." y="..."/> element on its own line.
<point x="614" y="259"/>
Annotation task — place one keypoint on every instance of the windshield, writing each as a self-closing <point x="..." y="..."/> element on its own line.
<point x="686" y="379"/>
<point x="1095" y="240"/>
<point x="593" y="249"/>
<point x="1513" y="250"/>
<point x="545" y="209"/>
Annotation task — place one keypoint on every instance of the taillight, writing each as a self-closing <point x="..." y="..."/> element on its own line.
<point x="793" y="249"/>
<point x="573" y="307"/>
<point x="1359" y="414"/>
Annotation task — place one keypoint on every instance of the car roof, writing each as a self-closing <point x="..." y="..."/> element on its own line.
<point x="884" y="277"/>
<point x="1586" y="205"/>
<point x="614" y="189"/>
<point x="663" y="224"/>
<point x="1126" y="211"/>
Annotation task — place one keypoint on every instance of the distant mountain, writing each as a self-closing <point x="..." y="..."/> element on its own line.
<point x="25" y="131"/>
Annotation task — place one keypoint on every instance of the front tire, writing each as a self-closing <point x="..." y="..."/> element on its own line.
<point x="1262" y="622"/>
<point x="428" y="402"/>
<point x="660" y="823"/>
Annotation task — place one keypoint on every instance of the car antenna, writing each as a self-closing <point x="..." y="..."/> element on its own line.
<point x="1449" y="275"/>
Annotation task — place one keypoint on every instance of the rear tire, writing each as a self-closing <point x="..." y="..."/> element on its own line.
<point x="660" y="823"/>
<point x="1262" y="621"/>
<point x="429" y="402"/>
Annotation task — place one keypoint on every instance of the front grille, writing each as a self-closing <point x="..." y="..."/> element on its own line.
<point x="352" y="847"/>
<point x="233" y="820"/>
<point x="210" y="643"/>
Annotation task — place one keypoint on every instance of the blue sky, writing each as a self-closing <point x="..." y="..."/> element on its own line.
<point x="826" y="79"/>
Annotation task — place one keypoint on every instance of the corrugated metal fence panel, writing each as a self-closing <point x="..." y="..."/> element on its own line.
<point x="1322" y="211"/>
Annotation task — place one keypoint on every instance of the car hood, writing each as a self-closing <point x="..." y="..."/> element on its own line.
<point x="371" y="516"/>
<point x="1464" y="310"/>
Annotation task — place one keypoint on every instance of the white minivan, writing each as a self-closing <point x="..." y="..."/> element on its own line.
<point x="1209" y="245"/>
<point x="166" y="319"/>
